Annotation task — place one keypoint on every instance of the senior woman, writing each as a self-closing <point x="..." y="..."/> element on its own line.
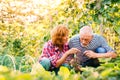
<point x="56" y="52"/>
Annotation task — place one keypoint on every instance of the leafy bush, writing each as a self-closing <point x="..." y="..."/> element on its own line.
<point x="24" y="29"/>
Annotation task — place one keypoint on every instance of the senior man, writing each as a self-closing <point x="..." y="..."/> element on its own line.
<point x="92" y="47"/>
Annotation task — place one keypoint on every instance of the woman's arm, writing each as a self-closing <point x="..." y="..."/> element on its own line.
<point x="63" y="58"/>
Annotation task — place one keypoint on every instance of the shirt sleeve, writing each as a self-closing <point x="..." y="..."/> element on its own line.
<point x="54" y="59"/>
<point x="70" y="44"/>
<point x="44" y="52"/>
<point x="105" y="45"/>
<point x="51" y="54"/>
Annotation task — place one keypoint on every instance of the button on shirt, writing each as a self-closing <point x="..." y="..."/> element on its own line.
<point x="97" y="41"/>
<point x="52" y="52"/>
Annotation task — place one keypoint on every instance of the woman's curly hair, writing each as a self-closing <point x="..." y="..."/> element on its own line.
<point x="57" y="35"/>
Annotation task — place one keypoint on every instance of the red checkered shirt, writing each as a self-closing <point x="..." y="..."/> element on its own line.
<point x="53" y="53"/>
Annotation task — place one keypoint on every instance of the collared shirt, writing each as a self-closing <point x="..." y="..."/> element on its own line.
<point x="97" y="41"/>
<point x="52" y="52"/>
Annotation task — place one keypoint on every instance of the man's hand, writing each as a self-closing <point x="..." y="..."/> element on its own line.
<point x="90" y="54"/>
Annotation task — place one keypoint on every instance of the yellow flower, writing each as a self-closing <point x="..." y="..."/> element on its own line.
<point x="2" y="77"/>
<point x="64" y="72"/>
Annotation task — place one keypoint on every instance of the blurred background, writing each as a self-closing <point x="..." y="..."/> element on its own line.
<point x="25" y="24"/>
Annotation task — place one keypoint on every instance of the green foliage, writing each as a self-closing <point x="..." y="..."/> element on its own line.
<point x="117" y="29"/>
<point x="8" y="61"/>
<point x="24" y="32"/>
<point x="26" y="63"/>
<point x="109" y="69"/>
<point x="24" y="29"/>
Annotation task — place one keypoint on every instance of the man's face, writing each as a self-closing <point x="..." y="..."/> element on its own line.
<point x="85" y="39"/>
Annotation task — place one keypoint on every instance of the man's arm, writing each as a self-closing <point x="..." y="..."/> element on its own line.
<point x="92" y="54"/>
<point x="109" y="54"/>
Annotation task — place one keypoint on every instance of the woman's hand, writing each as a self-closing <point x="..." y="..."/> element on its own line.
<point x="73" y="51"/>
<point x="63" y="58"/>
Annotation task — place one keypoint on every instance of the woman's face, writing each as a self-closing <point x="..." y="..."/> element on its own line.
<point x="65" y="39"/>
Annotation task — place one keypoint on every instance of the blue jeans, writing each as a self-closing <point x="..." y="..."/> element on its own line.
<point x="45" y="62"/>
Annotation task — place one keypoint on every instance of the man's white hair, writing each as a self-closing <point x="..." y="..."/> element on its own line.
<point x="86" y="30"/>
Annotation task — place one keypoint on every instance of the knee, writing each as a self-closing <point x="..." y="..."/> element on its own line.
<point x="45" y="62"/>
<point x="100" y="50"/>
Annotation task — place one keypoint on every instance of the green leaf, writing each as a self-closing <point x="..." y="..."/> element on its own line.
<point x="106" y="72"/>
<point x="117" y="29"/>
